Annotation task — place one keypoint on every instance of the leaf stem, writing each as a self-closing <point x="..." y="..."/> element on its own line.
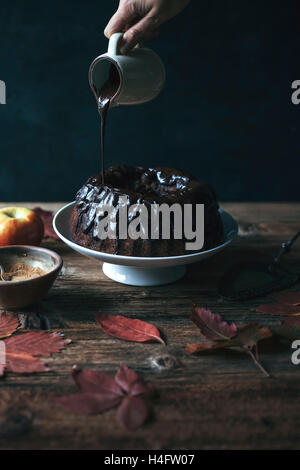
<point x="257" y="363"/>
<point x="160" y="340"/>
<point x="256" y="352"/>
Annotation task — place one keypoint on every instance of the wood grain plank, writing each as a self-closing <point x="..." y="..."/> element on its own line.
<point x="211" y="401"/>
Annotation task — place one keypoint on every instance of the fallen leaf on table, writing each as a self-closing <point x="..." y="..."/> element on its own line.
<point x="22" y="350"/>
<point x="222" y="335"/>
<point x="9" y="323"/>
<point x="101" y="392"/>
<point x="95" y="381"/>
<point x="47" y="218"/>
<point x="249" y="335"/>
<point x="278" y="309"/>
<point x="289" y="298"/>
<point x="132" y="412"/>
<point x="211" y="324"/>
<point x="130" y="382"/>
<point x="289" y="328"/>
<point x="128" y="329"/>
<point x="288" y="304"/>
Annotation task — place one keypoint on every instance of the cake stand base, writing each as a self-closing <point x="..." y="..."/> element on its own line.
<point x="135" y="276"/>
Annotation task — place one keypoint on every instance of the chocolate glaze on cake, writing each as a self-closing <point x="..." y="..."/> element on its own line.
<point x="142" y="186"/>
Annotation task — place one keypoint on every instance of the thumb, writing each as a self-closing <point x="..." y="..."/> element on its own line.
<point x="145" y="27"/>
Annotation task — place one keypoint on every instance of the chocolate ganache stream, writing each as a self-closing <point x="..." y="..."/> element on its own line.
<point x="105" y="95"/>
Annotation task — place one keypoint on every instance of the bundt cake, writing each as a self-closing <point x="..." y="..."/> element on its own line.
<point x="147" y="186"/>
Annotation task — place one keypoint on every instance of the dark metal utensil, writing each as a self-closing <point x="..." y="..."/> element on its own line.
<point x="248" y="280"/>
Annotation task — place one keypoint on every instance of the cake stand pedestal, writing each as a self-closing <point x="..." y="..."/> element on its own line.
<point x="135" y="276"/>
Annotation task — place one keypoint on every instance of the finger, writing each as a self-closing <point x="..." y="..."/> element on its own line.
<point x="139" y="31"/>
<point x="118" y="23"/>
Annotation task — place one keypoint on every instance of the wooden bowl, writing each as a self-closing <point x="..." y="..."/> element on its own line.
<point x="19" y="294"/>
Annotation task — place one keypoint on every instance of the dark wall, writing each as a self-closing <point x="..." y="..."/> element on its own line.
<point x="225" y="114"/>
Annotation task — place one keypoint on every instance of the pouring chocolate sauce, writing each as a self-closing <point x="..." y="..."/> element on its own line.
<point x="104" y="98"/>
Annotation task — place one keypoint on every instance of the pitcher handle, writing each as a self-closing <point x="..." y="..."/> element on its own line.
<point x="113" y="45"/>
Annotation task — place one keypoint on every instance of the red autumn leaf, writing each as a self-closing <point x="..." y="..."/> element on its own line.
<point x="100" y="392"/>
<point x="247" y="337"/>
<point x="288" y="304"/>
<point x="244" y="339"/>
<point x="89" y="403"/>
<point x="128" y="329"/>
<point x="24" y="364"/>
<point x="132" y="412"/>
<point x="289" y="328"/>
<point x="211" y="324"/>
<point x="130" y="381"/>
<point x="9" y="323"/>
<point x="289" y="298"/>
<point x="21" y="351"/>
<point x="198" y="348"/>
<point x="47" y="218"/>
<point x="36" y="343"/>
<point x="279" y="308"/>
<point x="92" y="381"/>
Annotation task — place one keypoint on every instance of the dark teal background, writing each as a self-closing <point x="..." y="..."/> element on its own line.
<point x="225" y="114"/>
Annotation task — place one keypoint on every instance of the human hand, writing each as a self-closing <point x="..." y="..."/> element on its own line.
<point x="140" y="19"/>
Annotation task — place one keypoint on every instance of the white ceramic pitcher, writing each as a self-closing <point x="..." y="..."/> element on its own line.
<point x="141" y="71"/>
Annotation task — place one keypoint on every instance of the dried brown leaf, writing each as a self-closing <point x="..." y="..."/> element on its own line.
<point x="211" y="325"/>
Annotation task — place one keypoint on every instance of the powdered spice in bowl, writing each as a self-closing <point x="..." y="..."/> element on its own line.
<point x="26" y="274"/>
<point x="20" y="272"/>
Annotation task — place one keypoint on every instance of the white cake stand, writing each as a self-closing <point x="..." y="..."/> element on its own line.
<point x="142" y="271"/>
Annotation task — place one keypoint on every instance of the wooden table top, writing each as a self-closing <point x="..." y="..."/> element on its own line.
<point x="217" y="401"/>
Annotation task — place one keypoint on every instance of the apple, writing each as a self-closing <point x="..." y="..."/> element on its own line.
<point x="20" y="226"/>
